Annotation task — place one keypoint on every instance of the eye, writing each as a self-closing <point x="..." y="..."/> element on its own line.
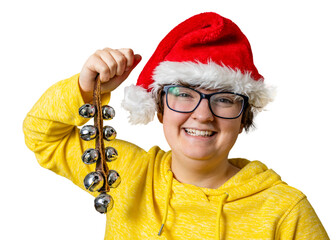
<point x="184" y="95"/>
<point x="223" y="100"/>
<point x="181" y="92"/>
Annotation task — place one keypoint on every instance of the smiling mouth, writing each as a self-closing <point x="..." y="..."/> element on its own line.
<point x="200" y="133"/>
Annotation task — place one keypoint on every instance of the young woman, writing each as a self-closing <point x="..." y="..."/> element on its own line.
<point x="203" y="84"/>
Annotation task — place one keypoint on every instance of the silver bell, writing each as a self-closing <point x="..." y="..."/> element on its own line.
<point x="111" y="154"/>
<point x="94" y="181"/>
<point x="103" y="203"/>
<point x="108" y="112"/>
<point x="87" y="110"/>
<point x="90" y="156"/>
<point x="88" y="132"/>
<point x="113" y="179"/>
<point x="109" y="133"/>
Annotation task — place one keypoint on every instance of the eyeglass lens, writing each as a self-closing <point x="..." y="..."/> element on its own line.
<point x="183" y="99"/>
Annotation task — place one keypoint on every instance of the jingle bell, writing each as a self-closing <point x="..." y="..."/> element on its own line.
<point x="87" y="110"/>
<point x="111" y="154"/>
<point x="103" y="203"/>
<point x="90" y="156"/>
<point x="108" y="112"/>
<point x="88" y="132"/>
<point x="94" y="181"/>
<point x="113" y="179"/>
<point x="109" y="133"/>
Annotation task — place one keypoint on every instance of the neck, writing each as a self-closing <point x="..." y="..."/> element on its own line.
<point x="203" y="173"/>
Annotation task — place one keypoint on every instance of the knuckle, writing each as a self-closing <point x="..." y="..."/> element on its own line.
<point x="128" y="51"/>
<point x="94" y="59"/>
<point x="113" y="67"/>
<point x="107" y="49"/>
<point x="122" y="60"/>
<point x="104" y="70"/>
<point x="97" y="52"/>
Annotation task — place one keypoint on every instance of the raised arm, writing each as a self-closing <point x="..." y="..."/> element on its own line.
<point x="50" y="127"/>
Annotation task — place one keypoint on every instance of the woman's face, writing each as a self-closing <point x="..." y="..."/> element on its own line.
<point x="199" y="135"/>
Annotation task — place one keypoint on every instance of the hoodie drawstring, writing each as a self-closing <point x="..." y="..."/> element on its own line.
<point x="168" y="194"/>
<point x="170" y="184"/>
<point x="219" y="214"/>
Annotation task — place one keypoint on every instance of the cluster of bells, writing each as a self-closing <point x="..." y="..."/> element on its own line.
<point x="94" y="181"/>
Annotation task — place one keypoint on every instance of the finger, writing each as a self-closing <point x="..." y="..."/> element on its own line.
<point x="129" y="54"/>
<point x="109" y="61"/>
<point x="99" y="66"/>
<point x="137" y="59"/>
<point x="117" y="80"/>
<point x="121" y="61"/>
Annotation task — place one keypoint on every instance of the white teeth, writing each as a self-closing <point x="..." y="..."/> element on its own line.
<point x="194" y="132"/>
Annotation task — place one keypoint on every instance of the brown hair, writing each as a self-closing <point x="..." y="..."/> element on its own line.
<point x="247" y="118"/>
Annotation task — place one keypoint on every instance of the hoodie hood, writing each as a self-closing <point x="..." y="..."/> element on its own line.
<point x="254" y="177"/>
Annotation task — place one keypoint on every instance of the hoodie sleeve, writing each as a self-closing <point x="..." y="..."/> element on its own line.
<point x="51" y="132"/>
<point x="301" y="222"/>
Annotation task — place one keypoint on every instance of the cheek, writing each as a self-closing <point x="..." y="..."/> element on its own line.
<point x="171" y="118"/>
<point x="230" y="129"/>
<point x="233" y="125"/>
<point x="172" y="123"/>
<point x="237" y="126"/>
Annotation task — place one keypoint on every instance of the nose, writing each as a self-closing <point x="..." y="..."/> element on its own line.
<point x="203" y="113"/>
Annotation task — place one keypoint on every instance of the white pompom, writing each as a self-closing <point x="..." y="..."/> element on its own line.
<point x="140" y="105"/>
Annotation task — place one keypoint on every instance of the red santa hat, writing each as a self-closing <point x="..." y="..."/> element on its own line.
<point x="206" y="50"/>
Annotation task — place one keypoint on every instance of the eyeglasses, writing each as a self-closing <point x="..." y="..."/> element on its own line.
<point x="228" y="105"/>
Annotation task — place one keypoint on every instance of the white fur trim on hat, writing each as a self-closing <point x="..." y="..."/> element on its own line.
<point x="214" y="76"/>
<point x="140" y="104"/>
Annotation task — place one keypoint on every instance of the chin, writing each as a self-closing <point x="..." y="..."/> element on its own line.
<point x="199" y="155"/>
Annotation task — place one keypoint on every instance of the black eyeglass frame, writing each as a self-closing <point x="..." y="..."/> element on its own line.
<point x="205" y="96"/>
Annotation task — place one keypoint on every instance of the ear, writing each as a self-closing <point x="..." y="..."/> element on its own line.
<point x="241" y="128"/>
<point x="160" y="117"/>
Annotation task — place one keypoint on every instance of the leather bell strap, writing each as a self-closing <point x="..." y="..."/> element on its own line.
<point x="101" y="165"/>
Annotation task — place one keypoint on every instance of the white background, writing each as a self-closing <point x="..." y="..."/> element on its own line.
<point x="43" y="42"/>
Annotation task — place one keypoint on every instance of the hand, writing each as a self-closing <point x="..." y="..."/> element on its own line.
<point x="113" y="67"/>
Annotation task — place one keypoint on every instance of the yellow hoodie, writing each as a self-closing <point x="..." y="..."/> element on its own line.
<point x="254" y="204"/>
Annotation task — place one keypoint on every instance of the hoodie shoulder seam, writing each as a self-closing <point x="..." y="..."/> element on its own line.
<point x="296" y="202"/>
